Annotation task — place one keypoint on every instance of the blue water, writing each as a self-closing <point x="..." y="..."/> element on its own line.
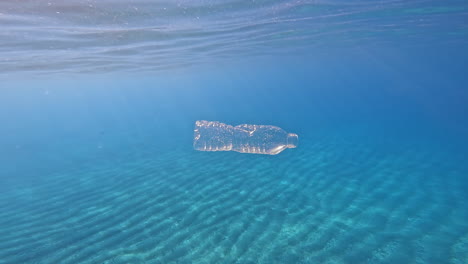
<point x="98" y="101"/>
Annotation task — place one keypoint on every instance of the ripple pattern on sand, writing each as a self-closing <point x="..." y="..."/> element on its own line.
<point x="330" y="201"/>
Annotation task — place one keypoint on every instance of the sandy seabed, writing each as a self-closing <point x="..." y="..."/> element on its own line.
<point x="331" y="201"/>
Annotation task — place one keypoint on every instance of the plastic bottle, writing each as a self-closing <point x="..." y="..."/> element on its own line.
<point x="258" y="139"/>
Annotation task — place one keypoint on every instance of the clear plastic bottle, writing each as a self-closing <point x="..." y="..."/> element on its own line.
<point x="258" y="139"/>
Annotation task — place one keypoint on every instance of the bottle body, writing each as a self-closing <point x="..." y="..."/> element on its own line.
<point x="257" y="139"/>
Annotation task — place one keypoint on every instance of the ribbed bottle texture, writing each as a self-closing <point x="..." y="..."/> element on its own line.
<point x="257" y="139"/>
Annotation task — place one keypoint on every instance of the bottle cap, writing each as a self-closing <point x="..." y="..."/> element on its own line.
<point x="292" y="140"/>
